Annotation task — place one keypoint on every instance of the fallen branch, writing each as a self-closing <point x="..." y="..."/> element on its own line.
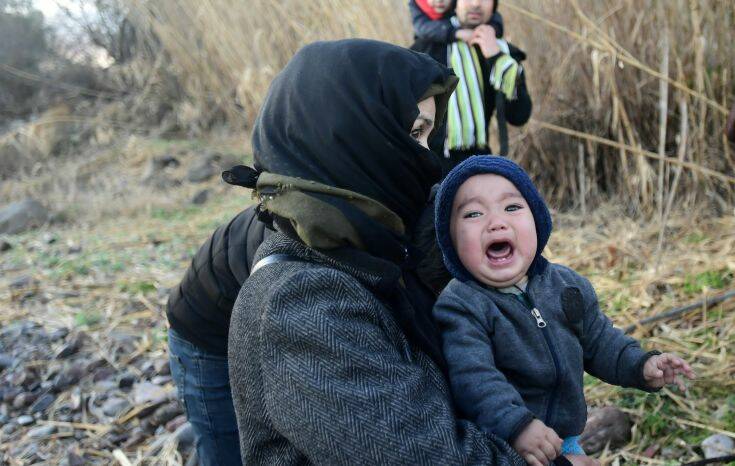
<point x="677" y="311"/>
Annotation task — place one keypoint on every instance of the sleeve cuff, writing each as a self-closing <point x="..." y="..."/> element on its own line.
<point x="639" y="372"/>
<point x="519" y="426"/>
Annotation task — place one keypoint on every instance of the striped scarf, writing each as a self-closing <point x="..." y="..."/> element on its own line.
<point x="466" y="124"/>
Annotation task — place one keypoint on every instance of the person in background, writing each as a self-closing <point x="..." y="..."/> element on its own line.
<point x="431" y="22"/>
<point x="518" y="331"/>
<point x="492" y="82"/>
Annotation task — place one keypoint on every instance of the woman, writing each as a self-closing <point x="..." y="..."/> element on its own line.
<point x="332" y="355"/>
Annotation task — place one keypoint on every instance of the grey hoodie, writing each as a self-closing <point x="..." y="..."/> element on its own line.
<point x="506" y="368"/>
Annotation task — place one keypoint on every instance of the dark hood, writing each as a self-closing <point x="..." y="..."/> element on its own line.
<point x="340" y="114"/>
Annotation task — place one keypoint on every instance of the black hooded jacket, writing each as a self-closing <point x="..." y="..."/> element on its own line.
<point x="199" y="307"/>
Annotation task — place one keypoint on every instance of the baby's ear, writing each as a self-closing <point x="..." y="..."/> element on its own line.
<point x="573" y="306"/>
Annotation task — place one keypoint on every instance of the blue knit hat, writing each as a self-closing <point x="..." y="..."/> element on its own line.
<point x="479" y="165"/>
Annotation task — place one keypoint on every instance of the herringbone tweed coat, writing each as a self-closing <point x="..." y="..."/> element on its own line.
<point x="321" y="373"/>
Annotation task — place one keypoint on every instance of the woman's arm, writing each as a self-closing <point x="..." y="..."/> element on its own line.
<point x="342" y="389"/>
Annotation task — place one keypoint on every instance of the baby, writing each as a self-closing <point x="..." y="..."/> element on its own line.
<point x="518" y="332"/>
<point x="431" y="22"/>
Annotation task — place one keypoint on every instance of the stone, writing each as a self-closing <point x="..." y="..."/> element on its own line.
<point x="22" y="216"/>
<point x="184" y="435"/>
<point x="175" y="423"/>
<point x="41" y="432"/>
<point x="200" y="197"/>
<point x="73" y="459"/>
<point x="24" y="399"/>
<point x="25" y="420"/>
<point x="72" y="347"/>
<point x="161" y="379"/>
<point x="49" y="238"/>
<point x="102" y="373"/>
<point x="68" y="377"/>
<point x="147" y="392"/>
<point x="162" y="367"/>
<point x="166" y="413"/>
<point x="42" y="403"/>
<point x="9" y="428"/>
<point x="605" y="425"/>
<point x="718" y="445"/>
<point x="58" y="334"/>
<point x="126" y="380"/>
<point x="21" y="282"/>
<point x="113" y="407"/>
<point x="6" y="361"/>
<point x="5" y="246"/>
<point x="200" y="172"/>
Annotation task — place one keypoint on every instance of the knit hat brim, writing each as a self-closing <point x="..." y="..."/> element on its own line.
<point x="479" y="165"/>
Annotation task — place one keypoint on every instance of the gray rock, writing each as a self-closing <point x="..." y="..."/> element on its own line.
<point x="59" y="334"/>
<point x="162" y="367"/>
<point x="608" y="424"/>
<point x="9" y="428"/>
<point x="113" y="407"/>
<point x="24" y="399"/>
<point x="22" y="216"/>
<point x="718" y="445"/>
<point x="223" y="161"/>
<point x="161" y="379"/>
<point x="42" y="403"/>
<point x="201" y="197"/>
<point x="201" y="171"/>
<point x="147" y="392"/>
<point x="157" y="164"/>
<point x="68" y="377"/>
<point x="25" y="420"/>
<point x="126" y="380"/>
<point x="41" y="432"/>
<point x="166" y="413"/>
<point x="24" y="281"/>
<point x="6" y="361"/>
<point x="72" y="347"/>
<point x="184" y="435"/>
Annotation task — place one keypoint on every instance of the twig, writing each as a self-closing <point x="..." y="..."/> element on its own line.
<point x="635" y="150"/>
<point x="719" y="459"/>
<point x="706" y="302"/>
<point x="121" y="458"/>
<point x="683" y="140"/>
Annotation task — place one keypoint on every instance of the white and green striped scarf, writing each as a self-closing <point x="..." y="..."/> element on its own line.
<point x="466" y="124"/>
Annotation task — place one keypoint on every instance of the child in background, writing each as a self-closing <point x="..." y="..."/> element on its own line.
<point x="519" y="332"/>
<point x="431" y="22"/>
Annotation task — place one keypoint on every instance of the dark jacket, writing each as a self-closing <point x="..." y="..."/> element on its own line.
<point x="505" y="370"/>
<point x="199" y="307"/>
<point x="517" y="112"/>
<point x="329" y="376"/>
<point x="442" y="30"/>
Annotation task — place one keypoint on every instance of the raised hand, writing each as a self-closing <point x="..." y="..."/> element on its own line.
<point x="663" y="369"/>
<point x="484" y="37"/>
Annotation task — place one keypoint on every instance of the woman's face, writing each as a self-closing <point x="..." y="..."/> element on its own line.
<point x="424" y="124"/>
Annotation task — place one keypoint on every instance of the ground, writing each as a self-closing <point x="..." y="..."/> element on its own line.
<point x="82" y="320"/>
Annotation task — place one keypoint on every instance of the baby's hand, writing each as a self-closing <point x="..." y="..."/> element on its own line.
<point x="663" y="369"/>
<point x="538" y="444"/>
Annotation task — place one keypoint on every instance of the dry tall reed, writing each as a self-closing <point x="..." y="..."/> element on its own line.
<point x="611" y="77"/>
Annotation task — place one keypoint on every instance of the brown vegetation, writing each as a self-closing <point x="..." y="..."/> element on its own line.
<point x="601" y="75"/>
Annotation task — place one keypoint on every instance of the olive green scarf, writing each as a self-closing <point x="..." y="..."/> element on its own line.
<point x="319" y="224"/>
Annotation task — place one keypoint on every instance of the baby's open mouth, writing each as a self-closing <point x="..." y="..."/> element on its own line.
<point x="499" y="252"/>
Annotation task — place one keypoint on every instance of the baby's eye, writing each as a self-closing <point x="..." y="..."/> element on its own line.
<point x="513" y="207"/>
<point x="473" y="214"/>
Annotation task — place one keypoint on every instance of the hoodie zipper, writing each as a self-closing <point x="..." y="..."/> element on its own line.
<point x="541" y="324"/>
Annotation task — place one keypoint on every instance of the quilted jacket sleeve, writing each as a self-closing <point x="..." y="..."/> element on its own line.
<point x="343" y="390"/>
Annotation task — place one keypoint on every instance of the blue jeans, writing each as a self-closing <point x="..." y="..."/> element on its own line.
<point x="203" y="385"/>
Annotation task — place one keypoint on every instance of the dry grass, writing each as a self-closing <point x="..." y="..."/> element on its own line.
<point x="595" y="68"/>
